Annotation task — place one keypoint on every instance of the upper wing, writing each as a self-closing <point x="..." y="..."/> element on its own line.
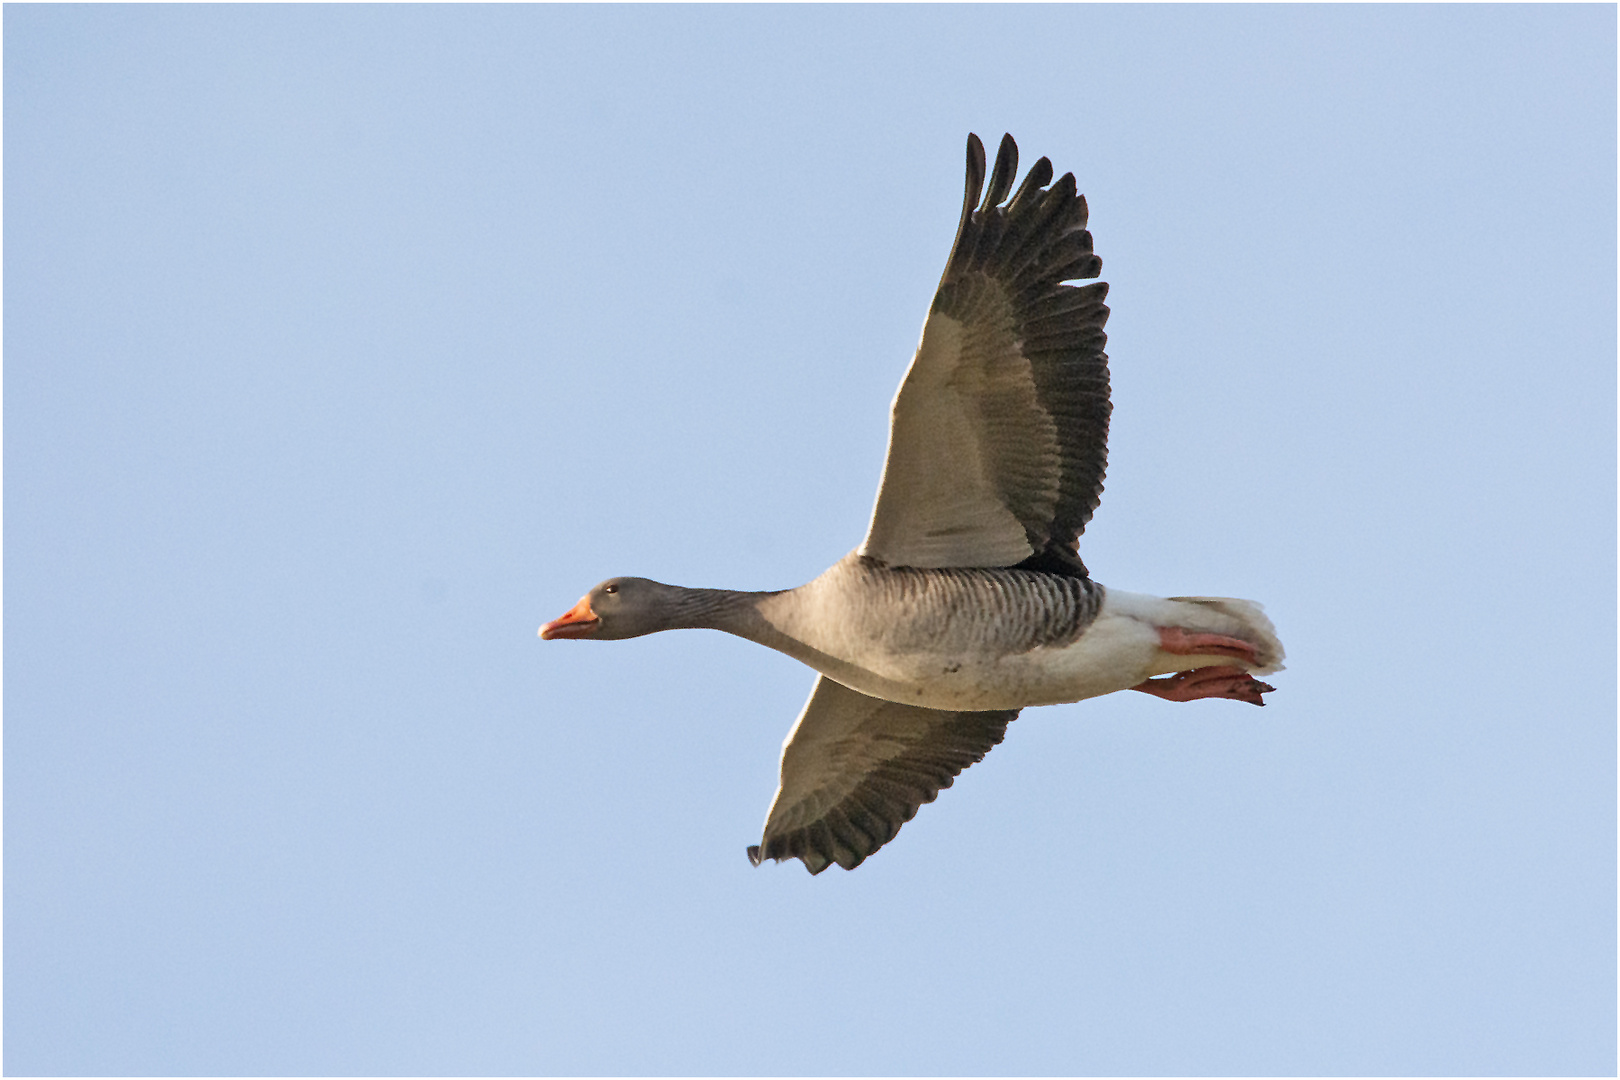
<point x="855" y="768"/>
<point x="999" y="434"/>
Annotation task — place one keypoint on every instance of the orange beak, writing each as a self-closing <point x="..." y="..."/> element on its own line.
<point x="580" y="621"/>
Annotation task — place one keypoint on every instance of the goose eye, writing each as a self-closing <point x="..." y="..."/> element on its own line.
<point x="611" y="589"/>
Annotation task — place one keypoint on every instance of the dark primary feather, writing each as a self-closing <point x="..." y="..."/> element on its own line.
<point x="857" y="768"/>
<point x="1004" y="282"/>
<point x="1001" y="177"/>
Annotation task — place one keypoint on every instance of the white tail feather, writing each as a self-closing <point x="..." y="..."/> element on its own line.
<point x="1251" y="625"/>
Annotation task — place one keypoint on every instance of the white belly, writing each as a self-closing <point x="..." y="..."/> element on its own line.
<point x="1115" y="653"/>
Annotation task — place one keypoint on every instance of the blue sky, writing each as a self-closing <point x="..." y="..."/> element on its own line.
<point x="344" y="346"/>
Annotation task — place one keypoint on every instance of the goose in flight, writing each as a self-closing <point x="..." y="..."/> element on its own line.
<point x="967" y="601"/>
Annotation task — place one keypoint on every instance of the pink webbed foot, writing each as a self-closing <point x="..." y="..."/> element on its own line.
<point x="1208" y="682"/>
<point x="1179" y="642"/>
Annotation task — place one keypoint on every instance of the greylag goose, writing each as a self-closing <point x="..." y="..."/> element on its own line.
<point x="967" y="601"/>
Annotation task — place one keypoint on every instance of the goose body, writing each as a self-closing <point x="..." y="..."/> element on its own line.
<point x="968" y="600"/>
<point x="985" y="638"/>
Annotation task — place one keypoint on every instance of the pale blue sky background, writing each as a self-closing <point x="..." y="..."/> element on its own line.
<point x="344" y="346"/>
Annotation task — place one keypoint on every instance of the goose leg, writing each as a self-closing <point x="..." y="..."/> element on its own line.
<point x="1208" y="682"/>
<point x="1179" y="642"/>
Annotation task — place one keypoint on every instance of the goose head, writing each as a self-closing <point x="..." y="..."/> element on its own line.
<point x="621" y="607"/>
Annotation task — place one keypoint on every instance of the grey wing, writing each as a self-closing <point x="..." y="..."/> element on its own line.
<point x="855" y="768"/>
<point x="998" y="437"/>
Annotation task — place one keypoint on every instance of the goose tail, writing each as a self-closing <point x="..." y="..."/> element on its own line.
<point x="1243" y="619"/>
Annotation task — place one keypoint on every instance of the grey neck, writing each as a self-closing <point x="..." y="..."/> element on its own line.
<point x="736" y="613"/>
<point x="718" y="609"/>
